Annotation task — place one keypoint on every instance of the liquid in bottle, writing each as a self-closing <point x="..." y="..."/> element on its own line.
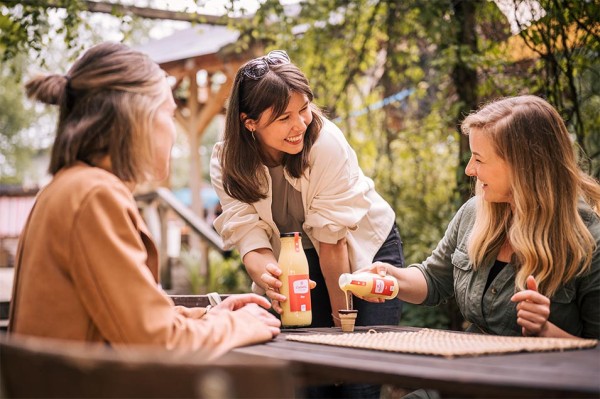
<point x="295" y="282"/>
<point x="369" y="285"/>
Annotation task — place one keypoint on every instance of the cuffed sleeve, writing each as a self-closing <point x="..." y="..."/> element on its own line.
<point x="340" y="192"/>
<point x="239" y="225"/>
<point x="120" y="293"/>
<point x="588" y="291"/>
<point x="438" y="267"/>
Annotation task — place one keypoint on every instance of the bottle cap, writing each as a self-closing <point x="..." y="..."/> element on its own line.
<point x="291" y="234"/>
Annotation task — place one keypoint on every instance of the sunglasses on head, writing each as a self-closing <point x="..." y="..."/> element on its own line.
<point x="258" y="67"/>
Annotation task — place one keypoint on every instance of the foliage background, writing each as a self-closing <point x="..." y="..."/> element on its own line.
<point x="396" y="76"/>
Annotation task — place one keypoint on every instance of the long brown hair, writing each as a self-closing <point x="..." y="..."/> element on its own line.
<point x="548" y="235"/>
<point x="242" y="167"/>
<point x="106" y="102"/>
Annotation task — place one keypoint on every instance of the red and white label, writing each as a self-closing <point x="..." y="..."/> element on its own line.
<point x="382" y="286"/>
<point x="299" y="293"/>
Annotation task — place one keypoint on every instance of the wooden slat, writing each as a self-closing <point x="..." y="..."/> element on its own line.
<point x="192" y="301"/>
<point x="199" y="225"/>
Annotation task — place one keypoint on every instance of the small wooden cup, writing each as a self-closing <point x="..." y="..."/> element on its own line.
<point x="348" y="319"/>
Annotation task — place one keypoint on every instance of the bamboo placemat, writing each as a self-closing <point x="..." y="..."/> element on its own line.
<point x="444" y="343"/>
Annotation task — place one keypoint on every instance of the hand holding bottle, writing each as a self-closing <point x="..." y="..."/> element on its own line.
<point x="271" y="279"/>
<point x="369" y="286"/>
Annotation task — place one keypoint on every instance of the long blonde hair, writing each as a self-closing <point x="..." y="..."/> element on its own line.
<point x="548" y="235"/>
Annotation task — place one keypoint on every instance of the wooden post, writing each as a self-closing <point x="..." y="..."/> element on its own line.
<point x="196" y="173"/>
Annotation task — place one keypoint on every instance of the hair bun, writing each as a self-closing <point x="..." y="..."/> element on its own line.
<point x="49" y="89"/>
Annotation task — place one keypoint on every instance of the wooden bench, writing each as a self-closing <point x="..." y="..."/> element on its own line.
<point x="4" y="308"/>
<point x="191" y="301"/>
<point x="36" y="367"/>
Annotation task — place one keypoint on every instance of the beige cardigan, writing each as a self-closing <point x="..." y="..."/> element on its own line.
<point x="339" y="201"/>
<point x="87" y="270"/>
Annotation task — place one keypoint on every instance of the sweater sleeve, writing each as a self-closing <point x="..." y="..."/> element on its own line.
<point x="120" y="294"/>
<point x="438" y="268"/>
<point x="588" y="290"/>
<point x="338" y="188"/>
<point x="239" y="225"/>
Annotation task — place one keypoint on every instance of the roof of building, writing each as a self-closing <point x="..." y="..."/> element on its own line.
<point x="188" y="43"/>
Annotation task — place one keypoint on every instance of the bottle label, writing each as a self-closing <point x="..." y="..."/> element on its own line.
<point x="299" y="293"/>
<point x="382" y="286"/>
<point x="358" y="282"/>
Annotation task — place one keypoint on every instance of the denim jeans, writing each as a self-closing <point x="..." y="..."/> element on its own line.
<point x="369" y="314"/>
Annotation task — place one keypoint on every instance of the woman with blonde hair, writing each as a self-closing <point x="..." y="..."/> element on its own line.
<point x="522" y="256"/>
<point x="86" y="267"/>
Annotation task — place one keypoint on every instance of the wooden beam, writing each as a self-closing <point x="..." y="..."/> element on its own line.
<point x="210" y="62"/>
<point x="143" y="12"/>
<point x="217" y="101"/>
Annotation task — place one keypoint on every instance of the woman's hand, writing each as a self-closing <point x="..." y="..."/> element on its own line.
<point x="380" y="268"/>
<point x="533" y="310"/>
<point x="238" y="301"/>
<point x="254" y="305"/>
<point x="267" y="318"/>
<point x="377" y="268"/>
<point x="270" y="279"/>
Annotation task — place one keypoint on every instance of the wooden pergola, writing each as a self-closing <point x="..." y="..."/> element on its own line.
<point x="183" y="55"/>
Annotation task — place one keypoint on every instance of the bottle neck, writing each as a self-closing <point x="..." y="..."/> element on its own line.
<point x="291" y="243"/>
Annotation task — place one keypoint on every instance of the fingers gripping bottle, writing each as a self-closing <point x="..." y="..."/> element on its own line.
<point x="369" y="285"/>
<point x="294" y="278"/>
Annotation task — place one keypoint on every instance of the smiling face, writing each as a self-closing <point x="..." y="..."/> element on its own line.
<point x="491" y="171"/>
<point x="285" y="135"/>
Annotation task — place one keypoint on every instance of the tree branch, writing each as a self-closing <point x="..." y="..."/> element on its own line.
<point x="143" y="12"/>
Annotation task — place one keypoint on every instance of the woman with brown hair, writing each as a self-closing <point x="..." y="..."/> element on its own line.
<point x="87" y="268"/>
<point x="283" y="167"/>
<point x="522" y="257"/>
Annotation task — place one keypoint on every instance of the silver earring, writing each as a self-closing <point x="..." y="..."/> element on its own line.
<point x="253" y="138"/>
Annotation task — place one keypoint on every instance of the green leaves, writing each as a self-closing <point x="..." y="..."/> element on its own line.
<point x="15" y="148"/>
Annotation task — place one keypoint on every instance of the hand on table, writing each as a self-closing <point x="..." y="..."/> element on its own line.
<point x="254" y="305"/>
<point x="270" y="279"/>
<point x="533" y="309"/>
<point x="235" y="302"/>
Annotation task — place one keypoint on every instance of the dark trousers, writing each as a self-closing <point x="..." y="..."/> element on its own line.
<point x="369" y="314"/>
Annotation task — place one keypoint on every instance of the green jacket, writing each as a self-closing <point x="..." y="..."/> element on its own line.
<point x="448" y="271"/>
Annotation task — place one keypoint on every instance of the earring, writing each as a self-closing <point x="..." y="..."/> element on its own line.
<point x="252" y="132"/>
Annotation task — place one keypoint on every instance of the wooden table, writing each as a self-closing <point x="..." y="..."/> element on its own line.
<point x="569" y="374"/>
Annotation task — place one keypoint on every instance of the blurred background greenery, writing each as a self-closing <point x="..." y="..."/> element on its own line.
<point x="396" y="76"/>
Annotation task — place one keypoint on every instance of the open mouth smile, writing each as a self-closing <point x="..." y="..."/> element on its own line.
<point x="294" y="139"/>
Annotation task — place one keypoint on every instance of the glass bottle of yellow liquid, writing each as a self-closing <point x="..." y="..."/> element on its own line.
<point x="369" y="285"/>
<point x="294" y="278"/>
